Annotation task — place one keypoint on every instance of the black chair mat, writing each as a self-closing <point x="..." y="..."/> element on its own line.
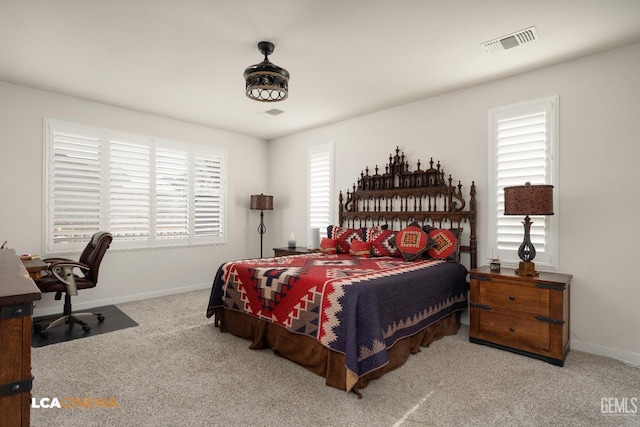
<point x="114" y="320"/>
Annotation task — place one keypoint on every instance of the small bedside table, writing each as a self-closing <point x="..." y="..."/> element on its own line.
<point x="526" y="315"/>
<point x="298" y="250"/>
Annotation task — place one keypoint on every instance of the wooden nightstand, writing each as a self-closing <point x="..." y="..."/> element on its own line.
<point x="526" y="315"/>
<point x="292" y="251"/>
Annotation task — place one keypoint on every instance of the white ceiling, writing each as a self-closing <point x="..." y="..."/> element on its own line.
<point x="184" y="59"/>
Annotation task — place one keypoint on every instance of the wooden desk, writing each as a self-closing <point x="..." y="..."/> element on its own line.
<point x="17" y="293"/>
<point x="34" y="267"/>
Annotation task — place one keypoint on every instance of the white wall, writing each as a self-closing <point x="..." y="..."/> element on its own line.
<point x="599" y="176"/>
<point x="124" y="275"/>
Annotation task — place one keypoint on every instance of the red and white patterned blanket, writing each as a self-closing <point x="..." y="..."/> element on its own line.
<point x="356" y="306"/>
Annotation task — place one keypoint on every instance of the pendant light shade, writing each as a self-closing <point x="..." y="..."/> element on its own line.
<point x="266" y="82"/>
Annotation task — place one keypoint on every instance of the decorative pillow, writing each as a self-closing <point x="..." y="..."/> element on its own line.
<point x="412" y="241"/>
<point x="344" y="236"/>
<point x="383" y="242"/>
<point x="328" y="246"/>
<point x="361" y="249"/>
<point x="447" y="244"/>
<point x="366" y="230"/>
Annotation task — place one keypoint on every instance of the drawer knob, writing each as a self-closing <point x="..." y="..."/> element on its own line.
<point x="511" y="297"/>
<point x="512" y="328"/>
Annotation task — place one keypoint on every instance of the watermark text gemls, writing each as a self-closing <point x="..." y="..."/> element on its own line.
<point x="619" y="406"/>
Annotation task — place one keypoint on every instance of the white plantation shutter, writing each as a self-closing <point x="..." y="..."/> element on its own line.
<point x="209" y="176"/>
<point x="129" y="190"/>
<point x="523" y="146"/>
<point x="172" y="194"/>
<point x="521" y="158"/>
<point x="146" y="193"/>
<point x="73" y="208"/>
<point x="321" y="187"/>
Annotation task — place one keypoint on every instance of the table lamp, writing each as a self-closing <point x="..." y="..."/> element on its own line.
<point x="263" y="203"/>
<point x="528" y="200"/>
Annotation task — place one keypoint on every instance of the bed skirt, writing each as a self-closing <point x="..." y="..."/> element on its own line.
<point x="322" y="361"/>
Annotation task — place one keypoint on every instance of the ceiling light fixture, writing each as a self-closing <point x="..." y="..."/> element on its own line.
<point x="265" y="81"/>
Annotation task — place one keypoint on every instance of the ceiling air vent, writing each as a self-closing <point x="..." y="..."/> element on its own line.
<point x="511" y="40"/>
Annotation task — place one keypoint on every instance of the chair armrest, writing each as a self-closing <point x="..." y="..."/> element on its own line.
<point x="54" y="259"/>
<point x="51" y="260"/>
<point x="67" y="263"/>
<point x="63" y="271"/>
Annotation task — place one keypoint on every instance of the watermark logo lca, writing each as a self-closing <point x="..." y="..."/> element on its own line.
<point x="74" y="402"/>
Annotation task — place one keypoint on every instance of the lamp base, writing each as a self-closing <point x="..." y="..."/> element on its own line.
<point x="526" y="268"/>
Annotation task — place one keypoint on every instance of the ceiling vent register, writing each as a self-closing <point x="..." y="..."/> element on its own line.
<point x="511" y="40"/>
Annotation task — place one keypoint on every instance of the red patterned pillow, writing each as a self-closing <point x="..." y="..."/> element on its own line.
<point x="328" y="246"/>
<point x="344" y="236"/>
<point x="361" y="249"/>
<point x="412" y="242"/>
<point x="447" y="244"/>
<point x="383" y="242"/>
<point x="366" y="230"/>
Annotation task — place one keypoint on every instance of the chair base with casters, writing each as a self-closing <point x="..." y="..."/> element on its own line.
<point x="68" y="276"/>
<point x="68" y="318"/>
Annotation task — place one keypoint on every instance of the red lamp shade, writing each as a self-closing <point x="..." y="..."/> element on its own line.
<point x="528" y="200"/>
<point x="262" y="202"/>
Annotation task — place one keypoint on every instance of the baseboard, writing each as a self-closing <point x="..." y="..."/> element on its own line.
<point x="626" y="357"/>
<point x="120" y="299"/>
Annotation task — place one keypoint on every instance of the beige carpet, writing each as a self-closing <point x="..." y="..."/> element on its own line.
<point x="176" y="369"/>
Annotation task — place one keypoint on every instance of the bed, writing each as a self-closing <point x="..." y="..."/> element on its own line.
<point x="389" y="278"/>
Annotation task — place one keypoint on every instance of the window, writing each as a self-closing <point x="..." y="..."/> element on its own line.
<point x="146" y="192"/>
<point x="523" y="147"/>
<point x="321" y="187"/>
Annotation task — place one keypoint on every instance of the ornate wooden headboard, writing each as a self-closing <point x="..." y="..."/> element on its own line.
<point x="399" y="197"/>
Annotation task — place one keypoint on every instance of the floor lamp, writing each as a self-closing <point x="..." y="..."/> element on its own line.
<point x="263" y="203"/>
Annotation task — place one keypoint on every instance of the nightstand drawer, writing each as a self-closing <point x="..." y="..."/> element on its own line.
<point x="525" y="333"/>
<point x="523" y="314"/>
<point x="517" y="298"/>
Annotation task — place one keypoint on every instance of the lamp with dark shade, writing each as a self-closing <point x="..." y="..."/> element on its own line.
<point x="262" y="203"/>
<point x="528" y="200"/>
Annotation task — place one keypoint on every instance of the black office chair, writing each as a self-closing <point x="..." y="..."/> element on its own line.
<point x="65" y="275"/>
